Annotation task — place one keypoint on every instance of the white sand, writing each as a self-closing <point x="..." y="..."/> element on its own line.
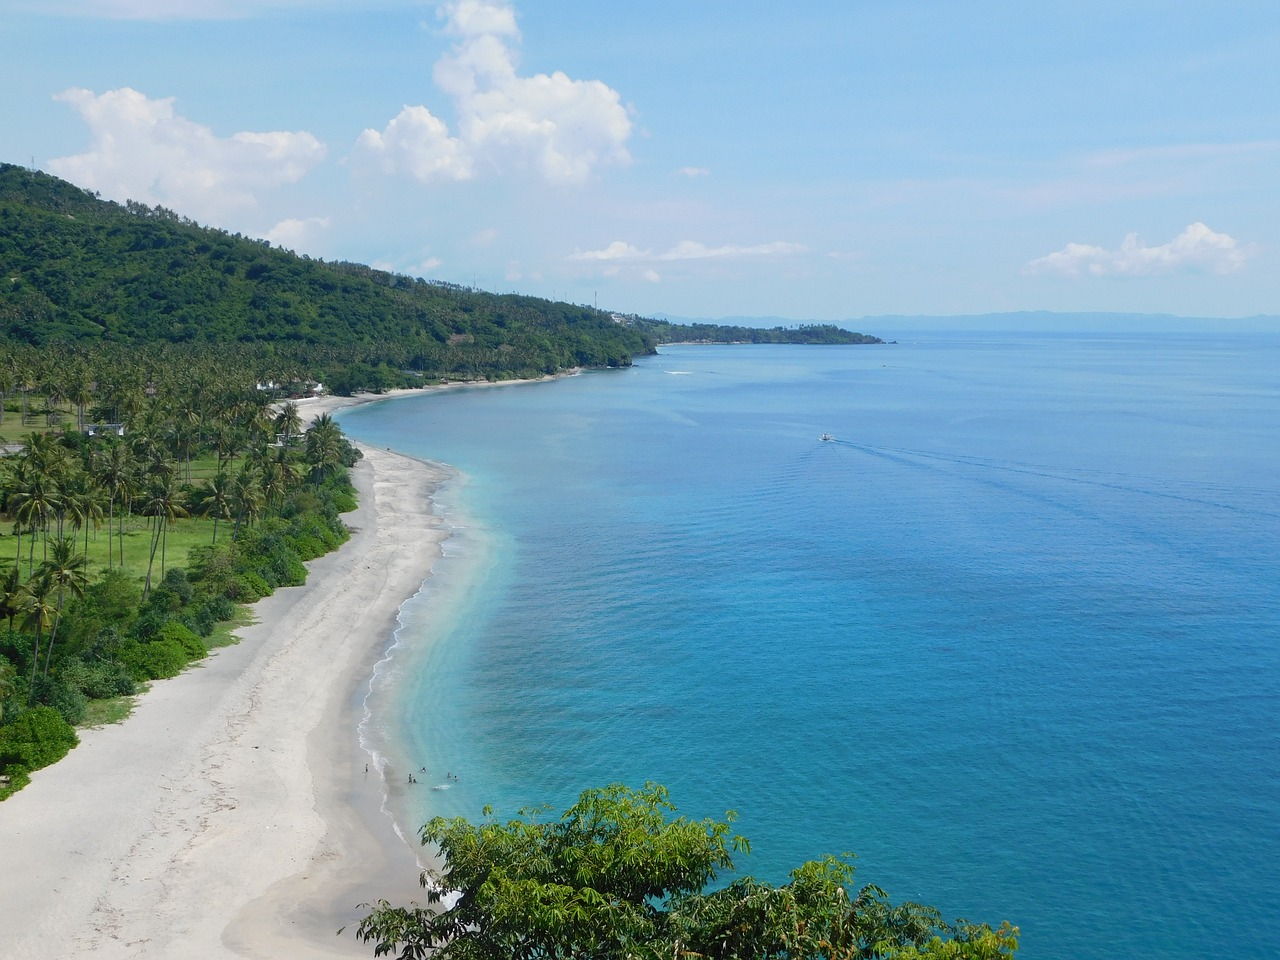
<point x="231" y="816"/>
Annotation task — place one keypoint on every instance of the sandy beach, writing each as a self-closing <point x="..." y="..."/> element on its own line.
<point x="232" y="815"/>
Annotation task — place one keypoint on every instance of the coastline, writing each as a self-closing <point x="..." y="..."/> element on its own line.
<point x="231" y="815"/>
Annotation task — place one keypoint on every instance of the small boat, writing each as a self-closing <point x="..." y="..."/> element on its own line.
<point x="826" y="437"/>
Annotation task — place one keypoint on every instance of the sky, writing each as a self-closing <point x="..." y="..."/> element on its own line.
<point x="813" y="160"/>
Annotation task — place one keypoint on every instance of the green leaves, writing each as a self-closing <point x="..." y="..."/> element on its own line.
<point x="620" y="875"/>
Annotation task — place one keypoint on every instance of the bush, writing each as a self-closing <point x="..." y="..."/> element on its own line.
<point x="191" y="645"/>
<point x="12" y="781"/>
<point x="171" y="594"/>
<point x="39" y="737"/>
<point x="115" y="598"/>
<point x="68" y="701"/>
<point x="97" y="681"/>
<point x="309" y="548"/>
<point x="220" y="609"/>
<point x="155" y="660"/>
<point x="248" y="587"/>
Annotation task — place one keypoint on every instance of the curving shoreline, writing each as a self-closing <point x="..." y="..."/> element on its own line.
<point x="231" y="816"/>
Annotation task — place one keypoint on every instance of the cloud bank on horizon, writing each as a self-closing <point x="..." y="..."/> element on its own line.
<point x="823" y="162"/>
<point x="1196" y="248"/>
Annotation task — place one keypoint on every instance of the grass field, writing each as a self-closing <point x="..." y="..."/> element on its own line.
<point x="182" y="537"/>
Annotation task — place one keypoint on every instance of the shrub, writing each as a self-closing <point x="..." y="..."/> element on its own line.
<point x="115" y="597"/>
<point x="191" y="644"/>
<point x="64" y="697"/>
<point x="248" y="587"/>
<point x="220" y="608"/>
<point x="13" y="781"/>
<point x="97" y="681"/>
<point x="309" y="548"/>
<point x="155" y="660"/>
<point x="39" y="737"/>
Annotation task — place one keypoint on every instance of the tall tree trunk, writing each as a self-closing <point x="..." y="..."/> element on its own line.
<point x="53" y="634"/>
<point x="35" y="660"/>
<point x="111" y="519"/>
<point x="155" y="542"/>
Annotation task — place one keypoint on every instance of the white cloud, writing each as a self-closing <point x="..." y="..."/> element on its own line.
<point x="418" y="143"/>
<point x="1197" y="248"/>
<point x="693" y="250"/>
<point x="688" y="250"/>
<point x="297" y="234"/>
<point x="560" y="128"/>
<point x="476" y="18"/>
<point x="692" y="172"/>
<point x="618" y="250"/>
<point x="142" y="150"/>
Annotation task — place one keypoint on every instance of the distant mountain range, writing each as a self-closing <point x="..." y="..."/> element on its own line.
<point x="1025" y="321"/>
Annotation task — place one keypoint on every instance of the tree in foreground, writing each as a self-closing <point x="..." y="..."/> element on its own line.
<point x="616" y="876"/>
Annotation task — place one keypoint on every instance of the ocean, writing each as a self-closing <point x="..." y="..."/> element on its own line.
<point x="1012" y="637"/>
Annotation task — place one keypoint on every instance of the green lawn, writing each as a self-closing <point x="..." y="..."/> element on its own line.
<point x="182" y="537"/>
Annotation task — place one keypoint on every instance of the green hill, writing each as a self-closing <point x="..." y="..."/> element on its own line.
<point x="77" y="271"/>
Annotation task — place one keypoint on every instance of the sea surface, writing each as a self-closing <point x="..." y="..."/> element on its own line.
<point x="1013" y="637"/>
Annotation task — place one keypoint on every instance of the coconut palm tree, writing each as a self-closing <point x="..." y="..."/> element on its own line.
<point x="87" y="498"/>
<point x="215" y="500"/>
<point x="11" y="593"/>
<point x="67" y="570"/>
<point x="115" y="471"/>
<point x="37" y="608"/>
<point x="288" y="421"/>
<point x="246" y="497"/>
<point x="164" y="504"/>
<point x="324" y="447"/>
<point x="32" y="505"/>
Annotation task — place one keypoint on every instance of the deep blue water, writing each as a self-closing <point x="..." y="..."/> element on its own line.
<point x="1013" y="638"/>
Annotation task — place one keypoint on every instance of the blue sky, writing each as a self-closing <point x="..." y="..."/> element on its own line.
<point x="809" y="160"/>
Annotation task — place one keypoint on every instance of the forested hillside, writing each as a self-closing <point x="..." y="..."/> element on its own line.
<point x="78" y="273"/>
<point x="81" y="271"/>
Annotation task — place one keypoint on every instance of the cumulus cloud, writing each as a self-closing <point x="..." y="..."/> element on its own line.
<point x="618" y="250"/>
<point x="693" y="250"/>
<point x="692" y="172"/>
<point x="560" y="128"/>
<point x="688" y="250"/>
<point x="295" y="234"/>
<point x="141" y="149"/>
<point x="1197" y="248"/>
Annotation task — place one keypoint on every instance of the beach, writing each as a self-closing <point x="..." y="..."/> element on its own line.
<point x="233" y="814"/>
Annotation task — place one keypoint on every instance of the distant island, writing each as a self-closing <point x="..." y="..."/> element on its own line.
<point x="79" y="272"/>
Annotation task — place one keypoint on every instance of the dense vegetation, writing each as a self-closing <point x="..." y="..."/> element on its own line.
<point x="194" y="470"/>
<point x="666" y="332"/>
<point x="76" y="271"/>
<point x="616" y="878"/>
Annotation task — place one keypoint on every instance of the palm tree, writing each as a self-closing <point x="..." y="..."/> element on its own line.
<point x="324" y="447"/>
<point x="246" y="497"/>
<point x="215" y="500"/>
<point x="11" y="592"/>
<point x="272" y="482"/>
<point x="68" y="570"/>
<point x="38" y="610"/>
<point x="164" y="505"/>
<point x="288" y="421"/>
<point x="86" y="496"/>
<point x="31" y="505"/>
<point x="115" y="470"/>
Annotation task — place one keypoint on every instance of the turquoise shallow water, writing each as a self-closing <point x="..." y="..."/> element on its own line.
<point x="1013" y="638"/>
